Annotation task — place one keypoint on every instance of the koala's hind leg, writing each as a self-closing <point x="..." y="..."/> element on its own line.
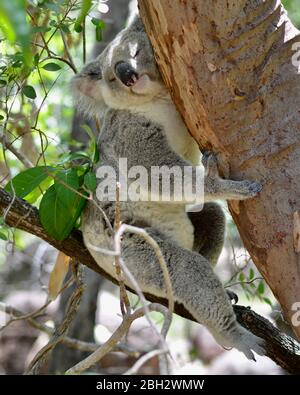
<point x="209" y="232"/>
<point x="194" y="285"/>
<point x="209" y="225"/>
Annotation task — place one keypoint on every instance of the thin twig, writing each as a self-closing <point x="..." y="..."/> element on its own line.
<point x="67" y="341"/>
<point x="141" y="361"/>
<point x="27" y="316"/>
<point x="111" y="342"/>
<point x="117" y="252"/>
<point x="243" y="282"/>
<point x="161" y="260"/>
<point x="83" y="41"/>
<point x="19" y="155"/>
<point x="124" y="300"/>
<point x="162" y="353"/>
<point x="62" y="330"/>
<point x="61" y="59"/>
<point x="68" y="53"/>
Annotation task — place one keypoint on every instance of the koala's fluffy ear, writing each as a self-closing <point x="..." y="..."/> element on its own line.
<point x="92" y="70"/>
<point x="87" y="91"/>
<point x="136" y="24"/>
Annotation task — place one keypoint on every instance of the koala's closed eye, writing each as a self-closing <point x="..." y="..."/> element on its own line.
<point x="95" y="75"/>
<point x="93" y="71"/>
<point x="138" y="51"/>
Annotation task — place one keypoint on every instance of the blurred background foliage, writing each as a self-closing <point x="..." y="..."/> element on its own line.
<point x="42" y="45"/>
<point x="293" y="8"/>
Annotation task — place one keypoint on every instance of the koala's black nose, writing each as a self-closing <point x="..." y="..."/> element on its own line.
<point x="126" y="73"/>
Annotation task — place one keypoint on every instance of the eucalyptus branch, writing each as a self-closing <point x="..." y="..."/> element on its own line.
<point x="282" y="349"/>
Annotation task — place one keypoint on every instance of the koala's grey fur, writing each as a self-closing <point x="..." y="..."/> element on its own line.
<point x="141" y="123"/>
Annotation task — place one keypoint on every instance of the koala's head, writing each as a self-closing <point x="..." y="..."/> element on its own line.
<point x="124" y="75"/>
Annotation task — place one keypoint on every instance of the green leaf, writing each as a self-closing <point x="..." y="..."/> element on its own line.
<point x="100" y="25"/>
<point x="98" y="22"/>
<point x="65" y="179"/>
<point x="29" y="91"/>
<point x="60" y="207"/>
<point x="241" y="277"/>
<point x="93" y="148"/>
<point x="80" y="155"/>
<point x="26" y="184"/>
<point x="268" y="301"/>
<point x="89" y="132"/>
<point x="90" y="181"/>
<point x="15" y="27"/>
<point x="52" y="67"/>
<point x="261" y="287"/>
<point x="86" y="6"/>
<point x="77" y="28"/>
<point x="251" y="274"/>
<point x="17" y="64"/>
<point x="3" y="236"/>
<point x="36" y="59"/>
<point x="98" y="33"/>
<point x="96" y="154"/>
<point x="55" y="7"/>
<point x="3" y="83"/>
<point x="1" y="117"/>
<point x="37" y="192"/>
<point x="40" y="29"/>
<point x="65" y="28"/>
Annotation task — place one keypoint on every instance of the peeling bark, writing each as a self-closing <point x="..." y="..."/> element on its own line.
<point x="228" y="67"/>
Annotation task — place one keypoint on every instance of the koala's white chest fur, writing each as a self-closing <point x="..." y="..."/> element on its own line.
<point x="164" y="113"/>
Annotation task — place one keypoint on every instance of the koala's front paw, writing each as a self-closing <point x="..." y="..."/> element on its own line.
<point x="210" y="163"/>
<point x="232" y="296"/>
<point x="249" y="189"/>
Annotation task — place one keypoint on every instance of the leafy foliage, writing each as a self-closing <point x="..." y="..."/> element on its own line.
<point x="15" y="27"/>
<point x="41" y="43"/>
<point x="66" y="190"/>
<point x="252" y="285"/>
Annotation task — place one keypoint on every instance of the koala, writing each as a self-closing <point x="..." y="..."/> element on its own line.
<point x="139" y="121"/>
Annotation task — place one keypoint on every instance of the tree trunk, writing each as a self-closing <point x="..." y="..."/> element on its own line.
<point x="228" y="65"/>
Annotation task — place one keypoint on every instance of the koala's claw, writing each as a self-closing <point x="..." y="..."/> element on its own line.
<point x="252" y="188"/>
<point x="245" y="341"/>
<point x="251" y="343"/>
<point x="232" y="296"/>
<point x="205" y="155"/>
<point x="210" y="163"/>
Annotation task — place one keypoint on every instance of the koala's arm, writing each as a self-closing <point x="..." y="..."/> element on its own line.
<point x="143" y="144"/>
